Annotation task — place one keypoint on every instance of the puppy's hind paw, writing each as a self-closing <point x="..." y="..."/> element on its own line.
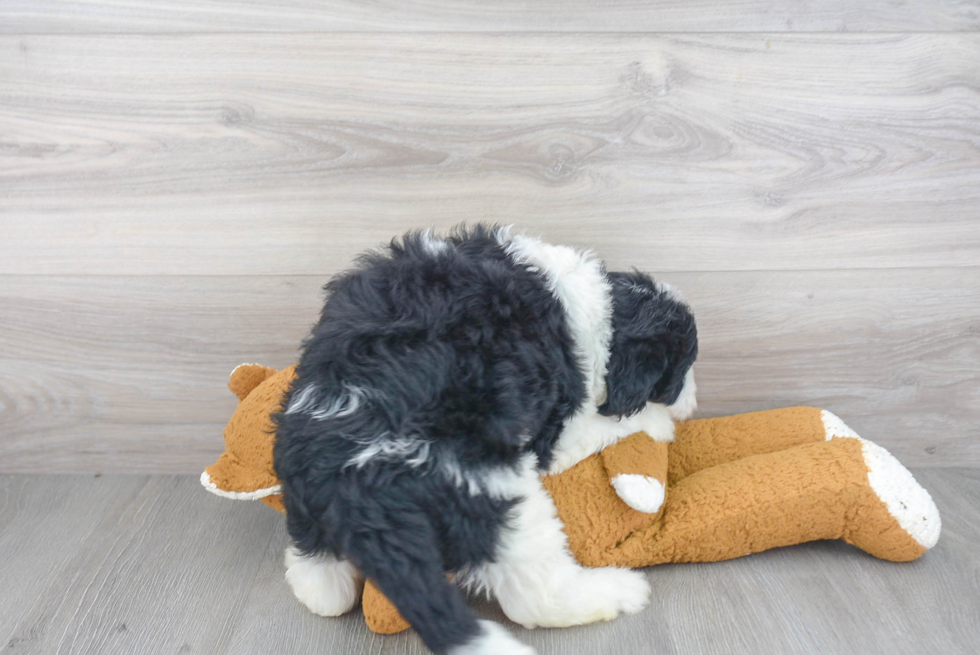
<point x="326" y="586"/>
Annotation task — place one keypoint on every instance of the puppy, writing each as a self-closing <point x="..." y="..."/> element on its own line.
<point x="443" y="378"/>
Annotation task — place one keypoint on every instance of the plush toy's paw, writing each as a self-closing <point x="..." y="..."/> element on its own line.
<point x="327" y="586"/>
<point x="641" y="492"/>
<point x="834" y="427"/>
<point x="909" y="505"/>
<point x="493" y="640"/>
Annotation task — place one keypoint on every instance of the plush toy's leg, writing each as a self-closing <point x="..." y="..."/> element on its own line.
<point x="327" y="586"/>
<point x="537" y="581"/>
<point x="637" y="469"/>
<point x="906" y="501"/>
<point x="704" y="443"/>
<point x="842" y="488"/>
<point x="380" y="614"/>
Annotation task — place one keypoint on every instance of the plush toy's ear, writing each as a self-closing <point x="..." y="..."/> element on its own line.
<point x="246" y="377"/>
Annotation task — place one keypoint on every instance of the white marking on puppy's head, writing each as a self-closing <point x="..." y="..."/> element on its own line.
<point x="669" y="291"/>
<point x="687" y="402"/>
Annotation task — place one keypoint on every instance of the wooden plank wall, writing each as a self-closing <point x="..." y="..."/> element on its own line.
<point x="178" y="179"/>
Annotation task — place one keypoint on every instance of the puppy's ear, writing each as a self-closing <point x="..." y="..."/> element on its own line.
<point x="632" y="374"/>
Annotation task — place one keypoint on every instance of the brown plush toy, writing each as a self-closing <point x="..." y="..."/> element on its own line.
<point x="726" y="487"/>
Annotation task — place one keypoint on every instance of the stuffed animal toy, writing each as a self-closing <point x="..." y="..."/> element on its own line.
<point x="724" y="488"/>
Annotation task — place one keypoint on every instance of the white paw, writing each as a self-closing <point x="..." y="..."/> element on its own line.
<point x="493" y="640"/>
<point x="641" y="492"/>
<point x="590" y="596"/>
<point x="628" y="591"/>
<point x="327" y="586"/>
<point x="835" y="427"/>
<point x="906" y="500"/>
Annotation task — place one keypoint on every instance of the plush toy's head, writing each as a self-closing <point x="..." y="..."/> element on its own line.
<point x="244" y="471"/>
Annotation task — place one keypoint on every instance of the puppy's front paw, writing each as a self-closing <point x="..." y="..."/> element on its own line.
<point x="591" y="595"/>
<point x="621" y="590"/>
<point x="326" y="586"/>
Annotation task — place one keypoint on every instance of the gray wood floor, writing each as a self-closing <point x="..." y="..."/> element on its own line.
<point x="145" y="565"/>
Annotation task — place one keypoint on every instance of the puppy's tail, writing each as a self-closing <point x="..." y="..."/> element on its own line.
<point x="406" y="565"/>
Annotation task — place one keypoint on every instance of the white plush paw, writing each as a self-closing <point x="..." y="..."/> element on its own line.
<point x="906" y="500"/>
<point x="641" y="492"/>
<point x="835" y="428"/>
<point x="910" y="505"/>
<point x="493" y="640"/>
<point x="326" y="586"/>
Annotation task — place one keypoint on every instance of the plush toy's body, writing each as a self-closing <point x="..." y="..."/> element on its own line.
<point x="726" y="487"/>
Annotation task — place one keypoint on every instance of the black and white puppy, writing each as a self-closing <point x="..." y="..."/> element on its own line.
<point x="443" y="378"/>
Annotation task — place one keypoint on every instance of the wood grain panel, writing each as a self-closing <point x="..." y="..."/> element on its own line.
<point x="81" y="16"/>
<point x="236" y="155"/>
<point x="127" y="374"/>
<point x="144" y="565"/>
